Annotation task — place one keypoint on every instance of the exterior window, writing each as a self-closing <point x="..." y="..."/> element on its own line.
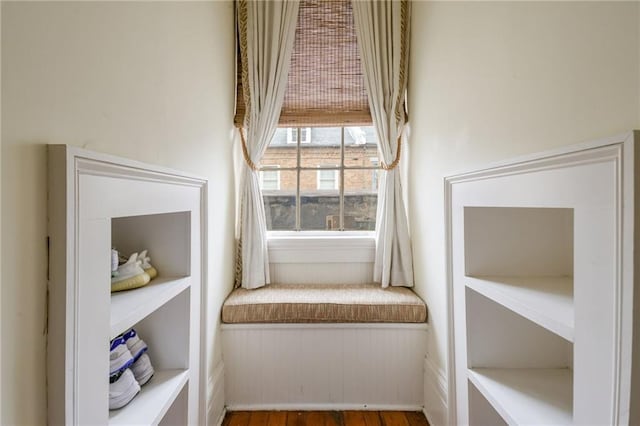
<point x="292" y="135"/>
<point x="327" y="179"/>
<point x="270" y="180"/>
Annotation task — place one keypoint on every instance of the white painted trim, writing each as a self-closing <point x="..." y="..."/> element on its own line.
<point x="553" y="155"/>
<point x="313" y="248"/>
<point x="216" y="377"/>
<point x="451" y="356"/>
<point x="112" y="165"/>
<point x="438" y="380"/>
<point x="222" y="416"/>
<point x="324" y="366"/>
<point x="303" y="235"/>
<point x="426" y="415"/>
<point x="326" y="326"/>
<point x="64" y="283"/>
<point x="216" y="385"/>
<point x="563" y="157"/>
<point x="323" y="407"/>
<point x="204" y="296"/>
<point x="606" y="149"/>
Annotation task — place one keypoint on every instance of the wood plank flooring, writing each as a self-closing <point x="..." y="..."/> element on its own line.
<point x="324" y="418"/>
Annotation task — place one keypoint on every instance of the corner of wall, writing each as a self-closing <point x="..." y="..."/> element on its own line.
<point x="435" y="393"/>
<point x="215" y="388"/>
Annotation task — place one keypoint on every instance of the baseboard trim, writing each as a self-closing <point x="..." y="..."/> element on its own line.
<point x="428" y="417"/>
<point x="435" y="394"/>
<point x="322" y="407"/>
<point x="222" y="416"/>
<point x="216" y="409"/>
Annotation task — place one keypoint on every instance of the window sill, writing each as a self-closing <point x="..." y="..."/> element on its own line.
<point x="321" y="247"/>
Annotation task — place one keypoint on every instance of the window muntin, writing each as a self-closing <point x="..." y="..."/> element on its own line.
<point x="327" y="183"/>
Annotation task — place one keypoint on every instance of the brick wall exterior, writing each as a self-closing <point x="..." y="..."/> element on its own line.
<point x="315" y="156"/>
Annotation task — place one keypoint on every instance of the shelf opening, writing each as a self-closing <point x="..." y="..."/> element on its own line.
<point x="159" y="311"/>
<point x="177" y="413"/>
<point x="516" y="241"/>
<point x="166" y="333"/>
<point x="481" y="412"/>
<point x="166" y="237"/>
<point x="497" y="337"/>
<point x="520" y="368"/>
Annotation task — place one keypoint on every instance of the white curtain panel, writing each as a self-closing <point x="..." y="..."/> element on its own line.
<point x="382" y="29"/>
<point x="269" y="31"/>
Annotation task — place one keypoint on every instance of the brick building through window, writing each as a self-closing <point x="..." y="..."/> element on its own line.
<point x="331" y="172"/>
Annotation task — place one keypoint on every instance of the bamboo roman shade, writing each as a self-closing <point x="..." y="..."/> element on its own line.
<point x="325" y="85"/>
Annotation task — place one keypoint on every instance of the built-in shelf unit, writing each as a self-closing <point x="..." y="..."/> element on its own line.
<point x="97" y="202"/>
<point x="541" y="280"/>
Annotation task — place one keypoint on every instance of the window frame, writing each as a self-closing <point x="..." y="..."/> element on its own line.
<point x="340" y="169"/>
<point x="375" y="178"/>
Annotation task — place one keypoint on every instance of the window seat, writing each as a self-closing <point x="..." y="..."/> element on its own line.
<point x="322" y="303"/>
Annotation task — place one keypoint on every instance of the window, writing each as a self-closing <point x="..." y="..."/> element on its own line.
<point x="292" y="136"/>
<point x="327" y="179"/>
<point x="269" y="180"/>
<point x="327" y="183"/>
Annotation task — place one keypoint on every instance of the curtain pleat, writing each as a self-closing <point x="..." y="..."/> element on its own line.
<point x="382" y="29"/>
<point x="267" y="30"/>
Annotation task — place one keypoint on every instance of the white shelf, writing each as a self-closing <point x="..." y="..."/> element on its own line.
<point x="131" y="306"/>
<point x="527" y="396"/>
<point x="153" y="401"/>
<point x="547" y="301"/>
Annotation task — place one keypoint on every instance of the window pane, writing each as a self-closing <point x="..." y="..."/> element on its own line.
<point x="279" y="152"/>
<point x="280" y="204"/>
<point x="360" y="149"/>
<point x="360" y="199"/>
<point x="319" y="208"/>
<point x="323" y="148"/>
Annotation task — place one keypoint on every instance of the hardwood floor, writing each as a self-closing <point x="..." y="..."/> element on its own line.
<point x="324" y="418"/>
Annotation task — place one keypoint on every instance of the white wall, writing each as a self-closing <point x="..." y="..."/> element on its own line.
<point x="321" y="260"/>
<point x="152" y="81"/>
<point x="493" y="80"/>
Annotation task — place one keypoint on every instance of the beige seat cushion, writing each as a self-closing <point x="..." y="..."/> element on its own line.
<point x="310" y="303"/>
